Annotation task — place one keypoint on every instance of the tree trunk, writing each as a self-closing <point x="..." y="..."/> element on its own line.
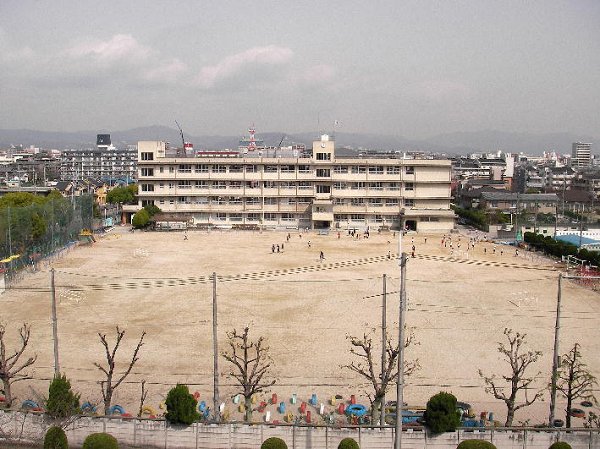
<point x="248" y="411"/>
<point x="569" y="405"/>
<point x="7" y="392"/>
<point x="107" y="401"/>
<point x="376" y="411"/>
<point x="510" y="415"/>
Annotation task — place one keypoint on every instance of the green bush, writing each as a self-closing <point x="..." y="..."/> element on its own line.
<point x="100" y="441"/>
<point x="273" y="443"/>
<point x="181" y="406"/>
<point x="55" y="439"/>
<point x="441" y="414"/>
<point x="348" y="443"/>
<point x="475" y="444"/>
<point x="62" y="402"/>
<point x="560" y="445"/>
<point x="140" y="219"/>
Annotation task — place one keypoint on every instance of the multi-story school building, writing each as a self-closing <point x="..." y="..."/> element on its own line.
<point x="296" y="191"/>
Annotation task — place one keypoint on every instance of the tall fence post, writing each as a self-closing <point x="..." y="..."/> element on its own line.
<point x="294" y="436"/>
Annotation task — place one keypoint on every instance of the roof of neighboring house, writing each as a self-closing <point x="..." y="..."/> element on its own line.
<point x="576" y="196"/>
<point x="163" y="216"/>
<point x="476" y="193"/>
<point x="562" y="170"/>
<point x="63" y="186"/>
<point x="526" y="197"/>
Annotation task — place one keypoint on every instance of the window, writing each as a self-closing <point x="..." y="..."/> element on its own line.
<point x="252" y="201"/>
<point x="235" y="200"/>
<point x="201" y="184"/>
<point x="303" y="200"/>
<point x="269" y="184"/>
<point x="162" y="185"/>
<point x="303" y="185"/>
<point x="409" y="203"/>
<point x="356" y="217"/>
<point x="221" y="216"/>
<point x="235" y="184"/>
<point x="340" y="185"/>
<point x="376" y="170"/>
<point x="161" y="169"/>
<point x="270" y="217"/>
<point x="147" y="156"/>
<point x="357" y="201"/>
<point x="392" y="202"/>
<point x="235" y="217"/>
<point x="340" y="169"/>
<point x="236" y="169"/>
<point x="147" y="202"/>
<point x="288" y="169"/>
<point x="358" y="185"/>
<point x="171" y="169"/>
<point x="147" y="171"/>
<point x="287" y="185"/>
<point x="338" y="201"/>
<point x="304" y="169"/>
<point x="202" y="168"/>
<point x="185" y="168"/>
<point x="271" y="201"/>
<point x="394" y="170"/>
<point x="219" y="169"/>
<point x="270" y="168"/>
<point x="323" y="173"/>
<point x="376" y="186"/>
<point x="358" y="169"/>
<point x="251" y="169"/>
<point x="287" y="217"/>
<point x="252" y="217"/>
<point x="147" y="187"/>
<point x="171" y="185"/>
<point x="323" y="189"/>
<point x="410" y="170"/>
<point x="184" y="184"/>
<point x="340" y="217"/>
<point x="394" y="185"/>
<point x="376" y="202"/>
<point x="323" y="156"/>
<point x="409" y="186"/>
<point x="219" y="185"/>
<point x="252" y="184"/>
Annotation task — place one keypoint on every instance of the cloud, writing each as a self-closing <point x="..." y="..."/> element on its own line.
<point x="232" y="65"/>
<point x="441" y="90"/>
<point x="165" y="73"/>
<point x="120" y="47"/>
<point x="316" y="75"/>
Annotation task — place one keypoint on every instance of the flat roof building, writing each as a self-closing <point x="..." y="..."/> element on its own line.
<point x="318" y="191"/>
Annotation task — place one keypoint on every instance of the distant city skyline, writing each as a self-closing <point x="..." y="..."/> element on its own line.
<point x="405" y="68"/>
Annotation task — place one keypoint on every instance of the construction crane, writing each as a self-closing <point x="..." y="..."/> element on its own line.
<point x="279" y="146"/>
<point x="182" y="151"/>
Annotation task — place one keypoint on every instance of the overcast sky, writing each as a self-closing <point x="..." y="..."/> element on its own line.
<point x="410" y="68"/>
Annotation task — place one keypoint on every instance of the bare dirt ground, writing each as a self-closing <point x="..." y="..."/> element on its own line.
<point x="459" y="305"/>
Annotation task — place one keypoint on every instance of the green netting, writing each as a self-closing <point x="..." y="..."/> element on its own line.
<point x="30" y="233"/>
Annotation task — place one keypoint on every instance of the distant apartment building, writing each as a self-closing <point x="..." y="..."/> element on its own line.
<point x="581" y="155"/>
<point x="103" y="162"/>
<point x="298" y="190"/>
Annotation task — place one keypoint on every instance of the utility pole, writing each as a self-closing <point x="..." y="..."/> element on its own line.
<point x="383" y="345"/>
<point x="215" y="353"/>
<point x="54" y="323"/>
<point x="581" y="224"/>
<point x="555" y="356"/>
<point x="400" y="384"/>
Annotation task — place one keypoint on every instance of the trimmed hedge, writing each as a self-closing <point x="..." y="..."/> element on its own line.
<point x="273" y="443"/>
<point x="181" y="406"/>
<point x="558" y="248"/>
<point x="100" y="441"/>
<point x="348" y="443"/>
<point x="55" y="438"/>
<point x="441" y="414"/>
<point x="475" y="444"/>
<point x="560" y="445"/>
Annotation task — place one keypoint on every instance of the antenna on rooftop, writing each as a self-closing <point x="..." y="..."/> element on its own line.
<point x="182" y="151"/>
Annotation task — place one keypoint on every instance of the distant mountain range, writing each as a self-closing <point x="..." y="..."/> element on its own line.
<point x="450" y="143"/>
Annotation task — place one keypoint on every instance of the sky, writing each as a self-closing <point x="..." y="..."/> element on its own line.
<point x="407" y="68"/>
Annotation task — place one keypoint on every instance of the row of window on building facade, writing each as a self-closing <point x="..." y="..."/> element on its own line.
<point x="187" y="184"/>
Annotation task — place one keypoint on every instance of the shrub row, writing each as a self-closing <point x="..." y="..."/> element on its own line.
<point x="558" y="248"/>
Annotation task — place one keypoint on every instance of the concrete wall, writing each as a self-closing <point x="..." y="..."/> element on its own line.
<point x="157" y="434"/>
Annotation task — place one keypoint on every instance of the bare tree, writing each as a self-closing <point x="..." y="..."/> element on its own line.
<point x="574" y="380"/>
<point x="368" y="367"/>
<point x="109" y="385"/>
<point x="142" y="398"/>
<point x="251" y="362"/>
<point x="11" y="369"/>
<point x="519" y="362"/>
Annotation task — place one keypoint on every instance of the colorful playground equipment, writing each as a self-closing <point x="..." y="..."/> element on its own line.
<point x="116" y="409"/>
<point x="149" y="411"/>
<point x="294" y="398"/>
<point x="357" y="410"/>
<point x="28" y="404"/>
<point x="88" y="408"/>
<point x="313" y="400"/>
<point x="281" y="408"/>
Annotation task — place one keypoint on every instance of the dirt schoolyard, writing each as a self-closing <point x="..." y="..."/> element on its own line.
<point x="459" y="303"/>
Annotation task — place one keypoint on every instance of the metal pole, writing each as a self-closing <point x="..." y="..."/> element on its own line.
<point x="215" y="353"/>
<point x="383" y="345"/>
<point x="581" y="224"/>
<point x="400" y="384"/>
<point x="54" y="323"/>
<point x="555" y="356"/>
